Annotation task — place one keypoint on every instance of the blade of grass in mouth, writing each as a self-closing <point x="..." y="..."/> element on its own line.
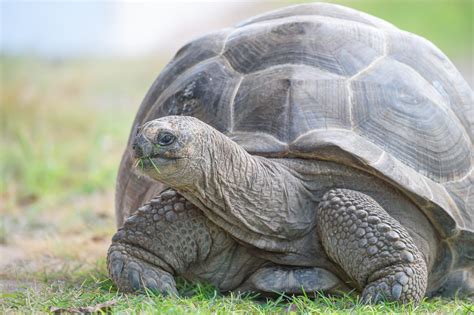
<point x="139" y="163"/>
<point x="154" y="165"/>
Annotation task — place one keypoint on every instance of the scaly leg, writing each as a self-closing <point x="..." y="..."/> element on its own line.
<point x="169" y="236"/>
<point x="372" y="247"/>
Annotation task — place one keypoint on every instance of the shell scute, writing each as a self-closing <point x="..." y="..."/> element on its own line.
<point x="321" y="9"/>
<point x="289" y="100"/>
<point x="187" y="57"/>
<point x="205" y="92"/>
<point x="437" y="70"/>
<point x="398" y="110"/>
<point x="325" y="43"/>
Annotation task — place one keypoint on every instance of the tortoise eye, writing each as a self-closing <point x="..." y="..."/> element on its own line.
<point x="165" y="138"/>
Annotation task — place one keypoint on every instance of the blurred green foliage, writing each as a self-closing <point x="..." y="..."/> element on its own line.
<point x="64" y="124"/>
<point x="447" y="23"/>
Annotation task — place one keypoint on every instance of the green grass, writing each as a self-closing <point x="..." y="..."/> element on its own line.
<point x="82" y="288"/>
<point x="154" y="165"/>
<point x="208" y="301"/>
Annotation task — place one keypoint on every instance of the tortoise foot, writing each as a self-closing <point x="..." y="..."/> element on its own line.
<point x="132" y="274"/>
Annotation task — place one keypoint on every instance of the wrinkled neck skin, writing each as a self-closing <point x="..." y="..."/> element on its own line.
<point x="253" y="198"/>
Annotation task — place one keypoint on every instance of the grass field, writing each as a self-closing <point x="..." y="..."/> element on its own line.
<point x="64" y="125"/>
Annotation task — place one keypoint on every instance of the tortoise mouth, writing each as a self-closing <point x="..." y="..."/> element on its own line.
<point x="154" y="161"/>
<point x="156" y="156"/>
<point x="161" y="157"/>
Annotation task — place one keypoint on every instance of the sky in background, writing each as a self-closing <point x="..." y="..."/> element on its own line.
<point x="67" y="28"/>
<point x="72" y="28"/>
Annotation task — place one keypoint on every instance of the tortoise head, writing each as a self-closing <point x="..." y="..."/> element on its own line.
<point x="170" y="149"/>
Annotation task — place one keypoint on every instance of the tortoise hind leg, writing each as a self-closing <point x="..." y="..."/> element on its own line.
<point x="372" y="247"/>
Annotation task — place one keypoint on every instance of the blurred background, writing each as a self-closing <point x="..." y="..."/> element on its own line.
<point x="73" y="74"/>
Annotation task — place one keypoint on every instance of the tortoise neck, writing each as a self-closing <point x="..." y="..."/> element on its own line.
<point x="252" y="192"/>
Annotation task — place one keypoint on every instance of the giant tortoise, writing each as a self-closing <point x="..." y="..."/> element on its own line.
<point x="313" y="148"/>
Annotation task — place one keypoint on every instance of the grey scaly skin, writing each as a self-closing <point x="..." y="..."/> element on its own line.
<point x="376" y="251"/>
<point x="169" y="236"/>
<point x="278" y="218"/>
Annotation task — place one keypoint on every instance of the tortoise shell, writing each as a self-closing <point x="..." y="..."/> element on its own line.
<point x="327" y="82"/>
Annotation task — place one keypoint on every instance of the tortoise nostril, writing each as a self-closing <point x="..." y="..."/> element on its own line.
<point x="138" y="151"/>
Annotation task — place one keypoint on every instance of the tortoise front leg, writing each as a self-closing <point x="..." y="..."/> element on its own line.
<point x="170" y="237"/>
<point x="372" y="247"/>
